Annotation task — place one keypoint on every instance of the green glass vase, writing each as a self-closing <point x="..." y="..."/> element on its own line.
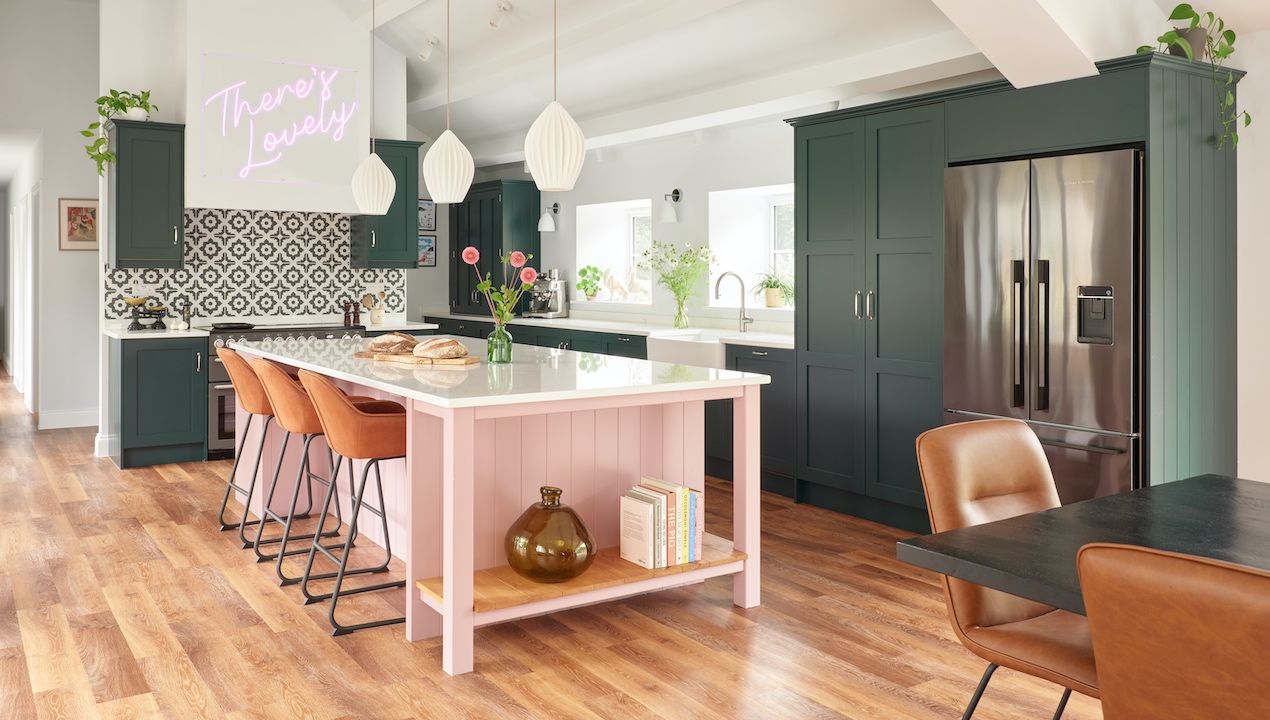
<point x="498" y="349"/>
<point x="549" y="543"/>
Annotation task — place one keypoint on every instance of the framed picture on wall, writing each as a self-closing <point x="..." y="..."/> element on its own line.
<point x="427" y="215"/>
<point x="427" y="250"/>
<point x="77" y="224"/>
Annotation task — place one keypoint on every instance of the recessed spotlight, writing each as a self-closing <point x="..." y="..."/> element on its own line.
<point x="429" y="45"/>
<point x="501" y="8"/>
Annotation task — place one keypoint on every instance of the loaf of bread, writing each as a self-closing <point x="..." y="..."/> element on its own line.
<point x="394" y="342"/>
<point x="438" y="348"/>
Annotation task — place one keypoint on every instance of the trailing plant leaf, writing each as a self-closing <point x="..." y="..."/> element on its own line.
<point x="109" y="106"/>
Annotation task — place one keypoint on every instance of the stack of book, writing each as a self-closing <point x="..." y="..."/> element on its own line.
<point x="662" y="524"/>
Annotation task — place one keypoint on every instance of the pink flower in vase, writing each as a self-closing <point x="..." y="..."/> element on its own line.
<point x="518" y="259"/>
<point x="471" y="255"/>
<point x="528" y="275"/>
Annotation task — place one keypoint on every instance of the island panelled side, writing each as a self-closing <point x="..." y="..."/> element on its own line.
<point x="868" y="189"/>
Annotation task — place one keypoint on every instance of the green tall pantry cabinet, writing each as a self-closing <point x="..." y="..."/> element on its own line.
<point x="496" y="217"/>
<point x="869" y="269"/>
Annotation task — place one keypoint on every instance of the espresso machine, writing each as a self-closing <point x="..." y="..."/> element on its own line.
<point x="549" y="297"/>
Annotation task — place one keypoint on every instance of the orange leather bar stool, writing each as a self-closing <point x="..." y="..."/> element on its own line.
<point x="371" y="431"/>
<point x="977" y="472"/>
<point x="294" y="413"/>
<point x="250" y="396"/>
<point x="1177" y="637"/>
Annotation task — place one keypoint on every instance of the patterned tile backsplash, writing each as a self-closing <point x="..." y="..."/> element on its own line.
<point x="249" y="262"/>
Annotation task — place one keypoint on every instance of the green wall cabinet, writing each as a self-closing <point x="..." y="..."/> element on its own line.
<point x="497" y="216"/>
<point x="161" y="408"/>
<point x="146" y="190"/>
<point x="391" y="240"/>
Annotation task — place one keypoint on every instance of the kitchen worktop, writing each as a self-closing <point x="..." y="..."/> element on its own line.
<point x="121" y="332"/>
<point x="118" y="328"/>
<point x="728" y="337"/>
<point x="537" y="374"/>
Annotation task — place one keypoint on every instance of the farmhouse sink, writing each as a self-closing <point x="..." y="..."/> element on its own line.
<point x="703" y="348"/>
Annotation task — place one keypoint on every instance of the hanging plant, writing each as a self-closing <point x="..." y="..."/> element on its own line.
<point x="1207" y="35"/>
<point x="136" y="106"/>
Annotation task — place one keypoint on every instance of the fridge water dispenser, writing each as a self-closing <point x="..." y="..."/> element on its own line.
<point x="1095" y="306"/>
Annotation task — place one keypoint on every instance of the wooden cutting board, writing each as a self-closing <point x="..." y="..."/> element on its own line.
<point x="412" y="360"/>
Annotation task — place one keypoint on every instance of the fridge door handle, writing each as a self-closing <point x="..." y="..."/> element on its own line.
<point x="1043" y="342"/>
<point x="1018" y="367"/>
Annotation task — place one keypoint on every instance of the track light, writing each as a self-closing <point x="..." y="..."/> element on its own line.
<point x="429" y="44"/>
<point x="501" y="8"/>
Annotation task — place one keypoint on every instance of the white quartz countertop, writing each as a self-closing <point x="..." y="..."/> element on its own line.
<point x="118" y="328"/>
<point x="122" y="333"/>
<point x="401" y="325"/>
<point x="535" y="375"/>
<point x="727" y="337"/>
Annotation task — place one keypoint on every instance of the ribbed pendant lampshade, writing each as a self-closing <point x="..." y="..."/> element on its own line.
<point x="555" y="149"/>
<point x="448" y="169"/>
<point x="373" y="186"/>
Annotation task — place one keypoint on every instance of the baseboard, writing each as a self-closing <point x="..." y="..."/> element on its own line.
<point x="67" y="419"/>
<point x="106" y="445"/>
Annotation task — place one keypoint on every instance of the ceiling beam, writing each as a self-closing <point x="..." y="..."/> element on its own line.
<point x="928" y="59"/>
<point x="1022" y="39"/>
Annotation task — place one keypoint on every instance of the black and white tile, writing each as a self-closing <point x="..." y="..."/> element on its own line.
<point x="244" y="262"/>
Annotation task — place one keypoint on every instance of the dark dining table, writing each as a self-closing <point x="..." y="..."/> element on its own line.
<point x="1034" y="555"/>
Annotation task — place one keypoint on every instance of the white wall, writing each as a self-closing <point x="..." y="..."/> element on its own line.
<point x="725" y="158"/>
<point x="1253" y="54"/>
<point x="48" y="49"/>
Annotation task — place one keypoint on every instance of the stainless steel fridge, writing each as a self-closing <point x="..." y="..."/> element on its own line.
<point x="1041" y="309"/>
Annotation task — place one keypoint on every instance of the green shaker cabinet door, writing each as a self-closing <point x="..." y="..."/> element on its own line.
<point x="147" y="192"/>
<point x="391" y="240"/>
<point x="903" y="367"/>
<point x="829" y="171"/>
<point x="164" y="392"/>
<point x="476" y="222"/>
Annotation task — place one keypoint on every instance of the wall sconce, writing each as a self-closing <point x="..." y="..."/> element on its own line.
<point x="668" y="214"/>
<point x="501" y="8"/>
<point x="547" y="223"/>
<point x="429" y="45"/>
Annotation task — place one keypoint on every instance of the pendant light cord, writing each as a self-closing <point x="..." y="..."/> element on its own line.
<point x="555" y="42"/>
<point x="372" y="76"/>
<point x="449" y="55"/>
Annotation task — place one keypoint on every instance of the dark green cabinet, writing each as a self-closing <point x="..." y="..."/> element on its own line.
<point x="629" y="346"/>
<point x="619" y="344"/>
<point x="497" y="217"/>
<point x="146" y="192"/>
<point x="778" y="408"/>
<point x="161" y="408"/>
<point x="391" y="240"/>
<point x="464" y="328"/>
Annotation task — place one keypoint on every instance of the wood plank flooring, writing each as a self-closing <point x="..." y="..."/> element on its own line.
<point x="119" y="599"/>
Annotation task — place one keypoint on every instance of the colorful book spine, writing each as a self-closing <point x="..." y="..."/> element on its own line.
<point x="637" y="540"/>
<point x="700" y="527"/>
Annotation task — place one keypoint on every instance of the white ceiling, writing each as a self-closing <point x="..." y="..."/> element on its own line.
<point x="631" y="69"/>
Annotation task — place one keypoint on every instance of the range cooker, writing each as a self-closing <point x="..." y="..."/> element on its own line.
<point x="220" y="392"/>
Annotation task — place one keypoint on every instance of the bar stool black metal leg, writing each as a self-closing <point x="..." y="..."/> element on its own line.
<point x="1062" y="703"/>
<point x="284" y="553"/>
<point x="983" y="685"/>
<point x="231" y="484"/>
<point x="315" y="548"/>
<point x="268" y="515"/>
<point x="336" y="627"/>
<point x="268" y="502"/>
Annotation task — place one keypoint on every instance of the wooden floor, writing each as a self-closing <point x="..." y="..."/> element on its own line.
<point x="119" y="599"/>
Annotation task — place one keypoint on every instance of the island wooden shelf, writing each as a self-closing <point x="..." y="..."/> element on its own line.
<point x="500" y="594"/>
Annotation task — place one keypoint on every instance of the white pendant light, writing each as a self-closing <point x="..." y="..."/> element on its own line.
<point x="448" y="166"/>
<point x="554" y="147"/>
<point x="373" y="183"/>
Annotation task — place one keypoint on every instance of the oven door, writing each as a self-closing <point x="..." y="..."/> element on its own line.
<point x="220" y="421"/>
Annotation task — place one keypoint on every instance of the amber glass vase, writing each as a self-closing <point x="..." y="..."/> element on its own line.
<point x="549" y="543"/>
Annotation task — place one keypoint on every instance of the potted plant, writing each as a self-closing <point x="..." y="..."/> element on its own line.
<point x="1207" y="37"/>
<point x="589" y="281"/>
<point x="678" y="271"/>
<point x="133" y="106"/>
<point x="775" y="290"/>
<point x="502" y="300"/>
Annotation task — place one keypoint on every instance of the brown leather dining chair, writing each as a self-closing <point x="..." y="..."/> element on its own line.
<point x="1177" y="636"/>
<point x="978" y="472"/>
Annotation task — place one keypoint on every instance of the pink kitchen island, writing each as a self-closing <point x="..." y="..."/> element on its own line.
<point x="482" y="440"/>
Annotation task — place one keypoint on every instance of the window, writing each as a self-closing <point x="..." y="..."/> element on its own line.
<point x="751" y="233"/>
<point x="613" y="237"/>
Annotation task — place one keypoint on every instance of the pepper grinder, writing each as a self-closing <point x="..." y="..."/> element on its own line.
<point x="357" y="313"/>
<point x="348" y="314"/>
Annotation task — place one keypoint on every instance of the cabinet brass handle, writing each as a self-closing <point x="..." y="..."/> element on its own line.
<point x="758" y="353"/>
<point x="173" y="234"/>
<point x="198" y="362"/>
<point x="372" y="238"/>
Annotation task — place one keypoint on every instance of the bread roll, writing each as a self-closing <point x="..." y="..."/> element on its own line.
<point x="439" y="348"/>
<point x="393" y="342"/>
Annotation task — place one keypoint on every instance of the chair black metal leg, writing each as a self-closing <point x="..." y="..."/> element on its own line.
<point x="231" y="484"/>
<point x="336" y="627"/>
<point x="351" y="542"/>
<point x="983" y="685"/>
<point x="321" y="531"/>
<point x="265" y="518"/>
<point x="1062" y="703"/>
<point x="313" y="547"/>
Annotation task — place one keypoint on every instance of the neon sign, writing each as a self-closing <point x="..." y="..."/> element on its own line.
<point x="272" y="119"/>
